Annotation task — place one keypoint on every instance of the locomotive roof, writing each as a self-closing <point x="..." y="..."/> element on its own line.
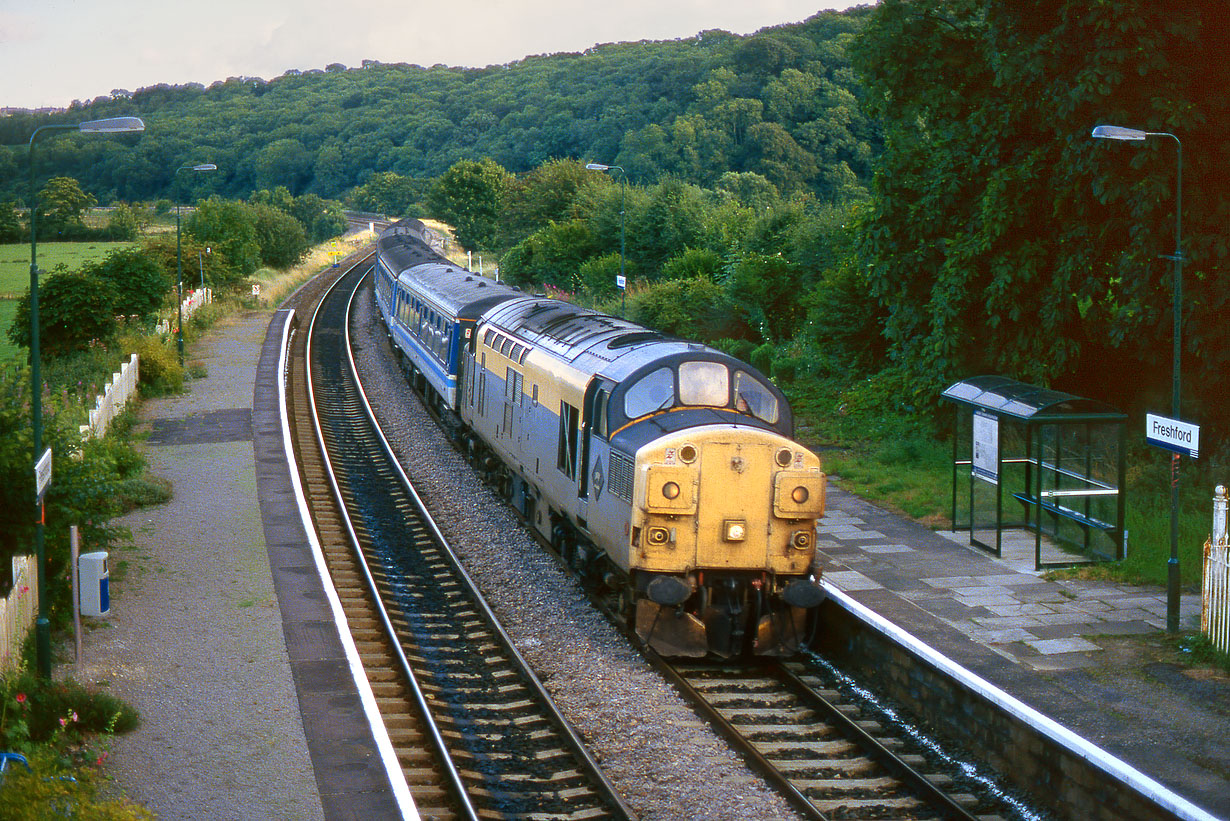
<point x="593" y="342"/>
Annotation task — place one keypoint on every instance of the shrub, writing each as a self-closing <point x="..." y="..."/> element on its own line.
<point x="785" y="369"/>
<point x="763" y="356"/>
<point x="73" y="309"/>
<point x="55" y="789"/>
<point x="691" y="308"/>
<point x="161" y="372"/>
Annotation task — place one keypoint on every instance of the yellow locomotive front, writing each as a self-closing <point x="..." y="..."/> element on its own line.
<point x="722" y="541"/>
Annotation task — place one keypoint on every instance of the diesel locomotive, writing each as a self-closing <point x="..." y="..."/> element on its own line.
<point x="662" y="471"/>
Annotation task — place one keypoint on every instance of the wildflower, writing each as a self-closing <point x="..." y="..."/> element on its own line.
<point x="63" y="722"/>
<point x="21" y="698"/>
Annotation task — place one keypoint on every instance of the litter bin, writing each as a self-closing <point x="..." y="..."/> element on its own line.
<point x="95" y="584"/>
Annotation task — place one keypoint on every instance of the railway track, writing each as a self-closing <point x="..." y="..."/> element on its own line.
<point x="813" y="741"/>
<point x="472" y="727"/>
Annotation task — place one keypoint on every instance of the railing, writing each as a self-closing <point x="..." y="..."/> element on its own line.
<point x="116" y="393"/>
<point x="196" y="298"/>
<point x="17" y="611"/>
<point x="1215" y="592"/>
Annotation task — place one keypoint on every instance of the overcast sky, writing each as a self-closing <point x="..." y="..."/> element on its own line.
<point x="55" y="51"/>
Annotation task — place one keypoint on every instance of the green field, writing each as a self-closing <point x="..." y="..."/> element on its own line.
<point x="8" y="307"/>
<point x="15" y="261"/>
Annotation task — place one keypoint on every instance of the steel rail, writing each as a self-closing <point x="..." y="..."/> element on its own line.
<point x="928" y="791"/>
<point x="569" y="733"/>
<point x="453" y="777"/>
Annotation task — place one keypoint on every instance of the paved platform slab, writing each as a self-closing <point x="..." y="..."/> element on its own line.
<point x="1068" y="648"/>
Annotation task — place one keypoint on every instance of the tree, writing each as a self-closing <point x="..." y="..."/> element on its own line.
<point x="137" y="281"/>
<point x="62" y="204"/>
<point x="10" y="224"/>
<point x="1001" y="237"/>
<point x="469" y="197"/>
<point x="228" y="227"/>
<point x="74" y="308"/>
<point x="546" y="194"/>
<point x="123" y="224"/>
<point x="281" y="237"/>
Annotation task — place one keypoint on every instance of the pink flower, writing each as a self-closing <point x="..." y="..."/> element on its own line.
<point x="64" y="722"/>
<point x="21" y="698"/>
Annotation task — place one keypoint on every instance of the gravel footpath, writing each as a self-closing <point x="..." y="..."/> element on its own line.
<point x="665" y="762"/>
<point x="194" y="640"/>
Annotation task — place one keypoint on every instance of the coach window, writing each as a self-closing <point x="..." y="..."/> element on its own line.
<point x="704" y="383"/>
<point x="655" y="391"/>
<point x="753" y="397"/>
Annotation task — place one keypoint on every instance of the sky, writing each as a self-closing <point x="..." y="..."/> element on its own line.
<point x="55" y="51"/>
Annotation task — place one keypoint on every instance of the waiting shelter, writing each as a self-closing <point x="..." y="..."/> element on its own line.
<point x="1035" y="460"/>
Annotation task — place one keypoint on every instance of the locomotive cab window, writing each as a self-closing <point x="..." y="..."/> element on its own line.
<point x="751" y="396"/>
<point x="655" y="391"/>
<point x="704" y="383"/>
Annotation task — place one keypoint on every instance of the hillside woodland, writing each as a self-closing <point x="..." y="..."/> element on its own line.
<point x="898" y="195"/>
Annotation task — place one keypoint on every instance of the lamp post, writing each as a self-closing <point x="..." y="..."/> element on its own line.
<point x="179" y="263"/>
<point x="114" y="125"/>
<point x="1115" y="132"/>
<point x="623" y="189"/>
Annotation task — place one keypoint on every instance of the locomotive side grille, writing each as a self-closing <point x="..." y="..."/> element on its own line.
<point x="621" y="476"/>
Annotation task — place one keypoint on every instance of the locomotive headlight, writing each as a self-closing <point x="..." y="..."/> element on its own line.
<point x="799" y="495"/>
<point x="658" y="536"/>
<point x="802" y="539"/>
<point x="670" y="490"/>
<point x="735" y="530"/>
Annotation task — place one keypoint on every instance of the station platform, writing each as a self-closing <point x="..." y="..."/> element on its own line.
<point x="219" y="632"/>
<point x="1083" y="653"/>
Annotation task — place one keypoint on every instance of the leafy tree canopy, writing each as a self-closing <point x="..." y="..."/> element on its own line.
<point x="1001" y="236"/>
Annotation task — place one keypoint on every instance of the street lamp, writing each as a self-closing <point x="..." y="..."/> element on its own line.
<point x="623" y="187"/>
<point x="114" y="125"/>
<point x="179" y="262"/>
<point x="1115" y="132"/>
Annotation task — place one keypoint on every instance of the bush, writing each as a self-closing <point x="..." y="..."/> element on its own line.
<point x="73" y="309"/>
<point x="763" y="356"/>
<point x="691" y="309"/>
<point x="55" y="789"/>
<point x="785" y="370"/>
<point x="738" y="348"/>
<point x="161" y="372"/>
<point x="597" y="276"/>
<point x="36" y="711"/>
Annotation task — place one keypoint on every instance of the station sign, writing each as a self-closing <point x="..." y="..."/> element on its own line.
<point x="42" y="475"/>
<point x="1173" y="435"/>
<point x="621" y="282"/>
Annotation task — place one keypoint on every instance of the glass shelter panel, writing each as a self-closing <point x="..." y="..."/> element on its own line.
<point x="1037" y="470"/>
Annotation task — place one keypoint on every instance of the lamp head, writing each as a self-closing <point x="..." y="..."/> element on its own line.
<point x="597" y="166"/>
<point x="205" y="167"/>
<point x="1117" y="132"/>
<point x="112" y="125"/>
